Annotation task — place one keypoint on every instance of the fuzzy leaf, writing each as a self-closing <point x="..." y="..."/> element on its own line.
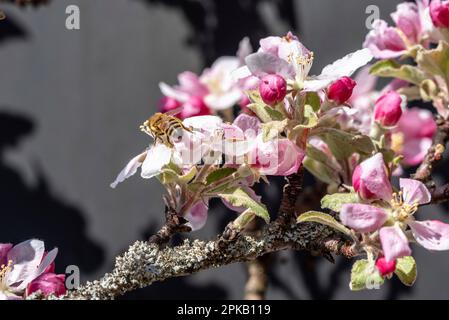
<point x="265" y="113"/>
<point x="336" y="200"/>
<point x="406" y="270"/>
<point x="313" y="100"/>
<point x="344" y="144"/>
<point x="219" y="174"/>
<point x="239" y="198"/>
<point x="273" y="129"/>
<point x="364" y="275"/>
<point x="390" y="68"/>
<point x="320" y="170"/>
<point x="435" y="61"/>
<point x="323" y="218"/>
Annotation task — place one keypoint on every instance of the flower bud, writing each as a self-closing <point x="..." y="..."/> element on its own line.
<point x="341" y="90"/>
<point x="387" y="110"/>
<point x="48" y="283"/>
<point x="370" y="179"/>
<point x="168" y="103"/>
<point x="385" y="267"/>
<point x="439" y="13"/>
<point x="272" y="89"/>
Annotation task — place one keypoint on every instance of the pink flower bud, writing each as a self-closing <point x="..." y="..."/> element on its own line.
<point x="439" y="13"/>
<point x="370" y="179"/>
<point x="341" y="90"/>
<point x="48" y="283"/>
<point x="387" y="110"/>
<point x="385" y="267"/>
<point x="168" y="103"/>
<point x="273" y="89"/>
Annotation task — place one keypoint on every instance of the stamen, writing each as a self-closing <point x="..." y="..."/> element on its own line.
<point x="4" y="269"/>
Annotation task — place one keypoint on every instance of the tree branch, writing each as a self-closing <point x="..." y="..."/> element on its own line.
<point x="145" y="263"/>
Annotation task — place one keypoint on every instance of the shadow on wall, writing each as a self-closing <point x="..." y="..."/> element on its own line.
<point x="34" y="212"/>
<point x="217" y="26"/>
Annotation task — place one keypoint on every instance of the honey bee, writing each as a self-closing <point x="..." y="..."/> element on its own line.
<point x="165" y="127"/>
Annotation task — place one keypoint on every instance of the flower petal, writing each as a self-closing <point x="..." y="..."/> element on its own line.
<point x="414" y="191"/>
<point x="223" y="101"/>
<point x="197" y="215"/>
<point x="347" y="65"/>
<point x="47" y="261"/>
<point x="362" y="217"/>
<point x="26" y="258"/>
<point x="260" y="64"/>
<point x="4" y="249"/>
<point x="173" y="93"/>
<point x="375" y="178"/>
<point x="431" y="234"/>
<point x="130" y="169"/>
<point x="157" y="157"/>
<point x="394" y="243"/>
<point x="203" y="122"/>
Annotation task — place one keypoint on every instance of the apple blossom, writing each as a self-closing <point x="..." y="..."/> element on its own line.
<point x="388" y="109"/>
<point x="341" y="90"/>
<point x="48" y="283"/>
<point x="21" y="265"/>
<point x="413" y="135"/>
<point x="370" y="179"/>
<point x="289" y="58"/>
<point x="385" y="267"/>
<point x="439" y="12"/>
<point x="272" y="88"/>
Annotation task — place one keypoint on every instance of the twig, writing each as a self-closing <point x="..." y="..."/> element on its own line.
<point x="257" y="283"/>
<point x="440" y="194"/>
<point x="174" y="224"/>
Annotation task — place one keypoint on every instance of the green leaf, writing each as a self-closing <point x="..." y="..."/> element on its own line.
<point x="406" y="270"/>
<point x="265" y="113"/>
<point x="344" y="144"/>
<point x="364" y="275"/>
<point x="435" y="61"/>
<point x="189" y="175"/>
<point x="243" y="219"/>
<point x="323" y="218"/>
<point x="310" y="119"/>
<point x="273" y="129"/>
<point x="219" y="174"/>
<point x="321" y="171"/>
<point x="313" y="100"/>
<point x="239" y="198"/>
<point x="390" y="68"/>
<point x="336" y="200"/>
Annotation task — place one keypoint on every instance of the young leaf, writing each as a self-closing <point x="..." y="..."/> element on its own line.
<point x="239" y="198"/>
<point x="364" y="275"/>
<point x="320" y="170"/>
<point x="313" y="100"/>
<point x="323" y="218"/>
<point x="406" y="270"/>
<point x="219" y="174"/>
<point x="265" y="113"/>
<point x="390" y="68"/>
<point x="435" y="61"/>
<point x="273" y="129"/>
<point x="336" y="200"/>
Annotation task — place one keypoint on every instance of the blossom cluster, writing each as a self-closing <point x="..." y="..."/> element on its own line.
<point x="342" y="130"/>
<point x="26" y="268"/>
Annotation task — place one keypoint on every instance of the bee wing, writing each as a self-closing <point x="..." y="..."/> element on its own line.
<point x="174" y="111"/>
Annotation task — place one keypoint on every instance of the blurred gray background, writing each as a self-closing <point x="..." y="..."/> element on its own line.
<point x="70" y="106"/>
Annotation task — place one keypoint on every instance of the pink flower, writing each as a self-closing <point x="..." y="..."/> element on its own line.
<point x="272" y="89"/>
<point x="407" y="19"/>
<point x="279" y="157"/>
<point x="194" y="106"/>
<point x="387" y="110"/>
<point x="385" y="267"/>
<point x="439" y="13"/>
<point x="341" y="90"/>
<point x="385" y="42"/>
<point x="370" y="179"/>
<point x="23" y="263"/>
<point x="289" y="58"/>
<point x="48" y="283"/>
<point x="197" y="215"/>
<point x="413" y="135"/>
<point x="432" y="235"/>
